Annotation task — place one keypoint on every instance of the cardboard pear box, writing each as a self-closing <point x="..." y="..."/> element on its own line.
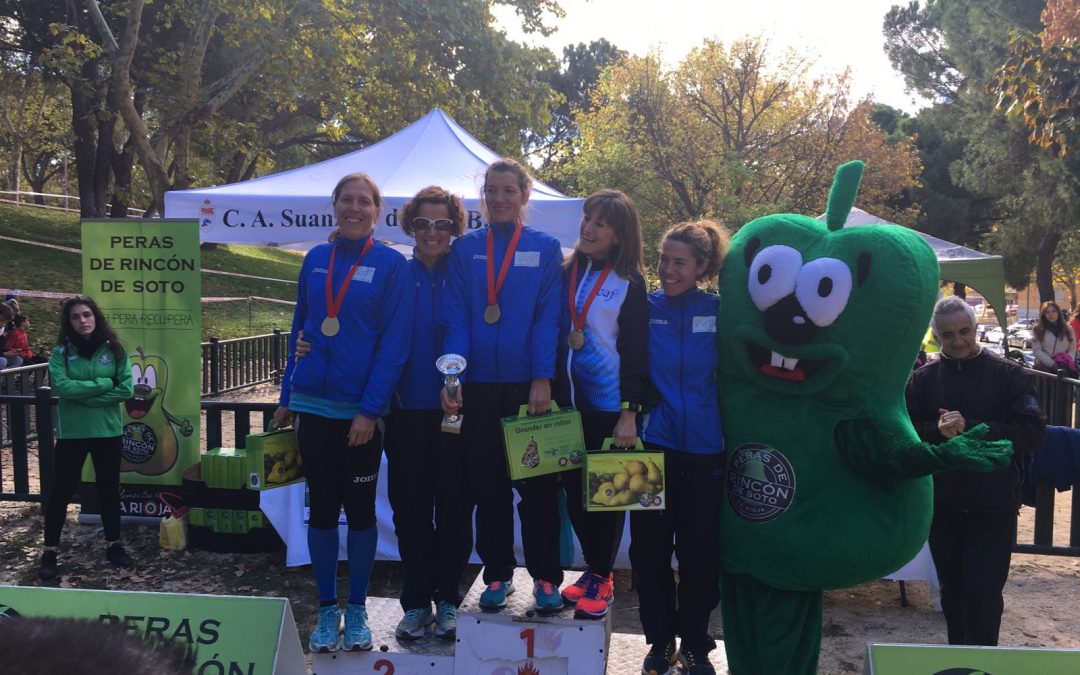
<point x="273" y="459"/>
<point x="624" y="480"/>
<point x="543" y="444"/>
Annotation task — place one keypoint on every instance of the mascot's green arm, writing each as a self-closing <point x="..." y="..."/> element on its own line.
<point x="878" y="448"/>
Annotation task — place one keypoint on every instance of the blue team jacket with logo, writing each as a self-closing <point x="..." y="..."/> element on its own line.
<point x="359" y="366"/>
<point x="682" y="367"/>
<point x="420" y="382"/>
<point x="521" y="346"/>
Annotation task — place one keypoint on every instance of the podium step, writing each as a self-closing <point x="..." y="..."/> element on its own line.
<point x="627" y="651"/>
<point x="516" y="637"/>
<point x="430" y="655"/>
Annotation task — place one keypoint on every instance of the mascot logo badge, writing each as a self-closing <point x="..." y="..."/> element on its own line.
<point x="149" y="444"/>
<point x="760" y="482"/>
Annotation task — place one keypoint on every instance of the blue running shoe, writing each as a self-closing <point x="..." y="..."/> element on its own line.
<point x="357" y="633"/>
<point x="325" y="636"/>
<point x="494" y="596"/>
<point x="548" y="600"/>
<point x="445" y="620"/>
<point x="414" y="624"/>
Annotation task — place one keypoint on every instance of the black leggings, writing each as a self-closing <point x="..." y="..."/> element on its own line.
<point x="70" y="456"/>
<point x="337" y="474"/>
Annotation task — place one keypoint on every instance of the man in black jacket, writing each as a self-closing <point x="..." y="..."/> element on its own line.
<point x="974" y="523"/>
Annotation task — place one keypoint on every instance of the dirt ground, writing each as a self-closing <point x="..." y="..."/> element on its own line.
<point x="1042" y="597"/>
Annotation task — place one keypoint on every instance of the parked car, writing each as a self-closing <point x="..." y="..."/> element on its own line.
<point x="1021" y="338"/>
<point x="1023" y="323"/>
<point x="981" y="330"/>
<point x="994" y="335"/>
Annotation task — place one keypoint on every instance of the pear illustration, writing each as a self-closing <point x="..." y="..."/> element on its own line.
<point x="653" y="474"/>
<point x="637" y="484"/>
<point x="149" y="439"/>
<point x="634" y="467"/>
<point x="621" y="481"/>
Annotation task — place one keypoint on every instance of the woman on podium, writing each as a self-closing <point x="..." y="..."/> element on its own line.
<point x="502" y="314"/>
<point x="603" y="371"/>
<point x="685" y="425"/>
<point x="426" y="467"/>
<point x="355" y="307"/>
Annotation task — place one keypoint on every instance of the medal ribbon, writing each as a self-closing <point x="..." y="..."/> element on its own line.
<point x="493" y="286"/>
<point x="579" y="319"/>
<point x="333" y="304"/>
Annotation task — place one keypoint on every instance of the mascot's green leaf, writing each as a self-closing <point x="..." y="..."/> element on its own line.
<point x="842" y="195"/>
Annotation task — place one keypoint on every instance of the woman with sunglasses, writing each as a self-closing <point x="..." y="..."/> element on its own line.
<point x="425" y="465"/>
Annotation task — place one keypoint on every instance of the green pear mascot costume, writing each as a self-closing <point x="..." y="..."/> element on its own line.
<point x="827" y="482"/>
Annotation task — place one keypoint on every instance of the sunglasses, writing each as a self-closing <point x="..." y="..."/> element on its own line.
<point x="441" y="224"/>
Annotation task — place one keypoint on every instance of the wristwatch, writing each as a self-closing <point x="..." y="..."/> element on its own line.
<point x="632" y="407"/>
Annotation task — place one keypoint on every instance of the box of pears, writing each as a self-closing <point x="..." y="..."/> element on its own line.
<point x="541" y="444"/>
<point x="624" y="480"/>
<point x="273" y="459"/>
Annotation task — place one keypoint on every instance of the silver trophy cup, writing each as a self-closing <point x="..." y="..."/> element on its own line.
<point x="451" y="366"/>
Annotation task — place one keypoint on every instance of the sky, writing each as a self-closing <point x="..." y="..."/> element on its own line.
<point x="835" y="33"/>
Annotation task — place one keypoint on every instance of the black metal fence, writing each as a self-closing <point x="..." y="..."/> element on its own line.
<point x="1059" y="397"/>
<point x="228" y="365"/>
<point x="16" y="469"/>
<point x="22" y="381"/>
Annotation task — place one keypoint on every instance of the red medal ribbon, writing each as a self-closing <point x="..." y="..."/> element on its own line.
<point x="575" y="318"/>
<point x="333" y="304"/>
<point x="493" y="286"/>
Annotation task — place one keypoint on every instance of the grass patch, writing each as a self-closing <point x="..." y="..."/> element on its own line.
<point x="43" y="269"/>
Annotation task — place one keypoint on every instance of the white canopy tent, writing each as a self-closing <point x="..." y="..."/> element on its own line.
<point x="294" y="206"/>
<point x="981" y="271"/>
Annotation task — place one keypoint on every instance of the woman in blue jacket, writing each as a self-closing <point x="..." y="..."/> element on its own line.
<point x="603" y="371"/>
<point x="685" y="425"/>
<point x="355" y="308"/>
<point x="502" y="315"/>
<point x="426" y="467"/>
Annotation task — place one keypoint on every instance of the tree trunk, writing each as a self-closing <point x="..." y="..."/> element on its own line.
<point x="82" y="126"/>
<point x="959" y="289"/>
<point x="103" y="163"/>
<point x="1043" y="275"/>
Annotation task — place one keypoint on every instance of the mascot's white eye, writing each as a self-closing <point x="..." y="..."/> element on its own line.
<point x="772" y="275"/>
<point x="151" y="373"/>
<point x="824" y="286"/>
<point x="136" y="373"/>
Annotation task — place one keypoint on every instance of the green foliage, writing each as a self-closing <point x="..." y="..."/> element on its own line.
<point x="984" y="184"/>
<point x="1040" y="84"/>
<point x="731" y="133"/>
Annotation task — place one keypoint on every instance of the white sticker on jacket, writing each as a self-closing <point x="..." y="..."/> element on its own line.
<point x="365" y="274"/>
<point x="704" y="324"/>
<point x="527" y="259"/>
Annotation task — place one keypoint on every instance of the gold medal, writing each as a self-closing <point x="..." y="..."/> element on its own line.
<point x="492" y="314"/>
<point x="330" y="326"/>
<point x="576" y="339"/>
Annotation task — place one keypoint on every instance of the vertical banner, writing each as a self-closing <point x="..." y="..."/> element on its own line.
<point x="144" y="274"/>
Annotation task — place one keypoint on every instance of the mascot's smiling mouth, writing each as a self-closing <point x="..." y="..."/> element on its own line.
<point x="138" y="407"/>
<point x="775" y="364"/>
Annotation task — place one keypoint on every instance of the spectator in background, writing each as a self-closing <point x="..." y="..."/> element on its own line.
<point x="1075" y="322"/>
<point x="17" y="346"/>
<point x="91" y="373"/>
<point x="1052" y="336"/>
<point x="6" y="315"/>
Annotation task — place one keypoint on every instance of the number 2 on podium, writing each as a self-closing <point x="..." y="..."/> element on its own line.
<point x="383" y="663"/>
<point x="529" y="636"/>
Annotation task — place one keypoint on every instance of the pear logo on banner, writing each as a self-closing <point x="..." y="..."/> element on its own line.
<point x="149" y="440"/>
